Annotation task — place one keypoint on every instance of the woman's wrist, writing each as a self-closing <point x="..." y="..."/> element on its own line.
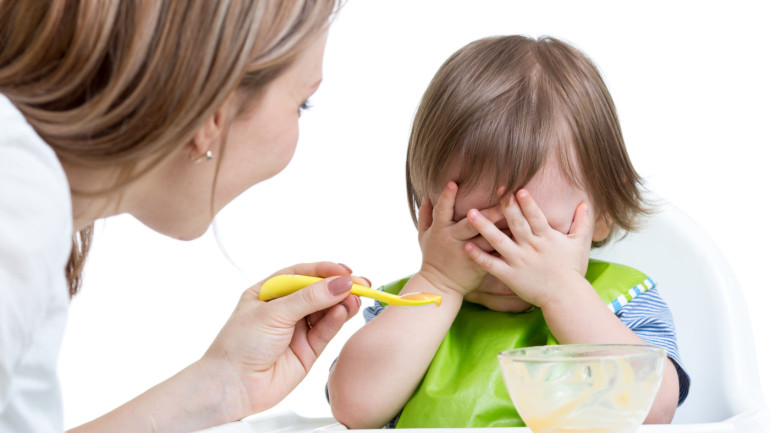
<point x="207" y="393"/>
<point x="228" y="399"/>
<point x="200" y="396"/>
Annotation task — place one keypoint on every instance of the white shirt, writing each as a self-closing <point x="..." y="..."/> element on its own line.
<point x="35" y="243"/>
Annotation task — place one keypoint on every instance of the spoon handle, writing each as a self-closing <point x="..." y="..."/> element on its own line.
<point x="282" y="285"/>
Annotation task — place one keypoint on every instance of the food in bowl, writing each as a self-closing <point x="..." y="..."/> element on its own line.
<point x="583" y="387"/>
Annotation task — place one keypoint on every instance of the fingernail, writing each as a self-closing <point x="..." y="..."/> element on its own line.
<point x="340" y="285"/>
<point x="350" y="271"/>
<point x="368" y="281"/>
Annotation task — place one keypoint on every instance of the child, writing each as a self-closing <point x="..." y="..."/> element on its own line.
<point x="526" y="131"/>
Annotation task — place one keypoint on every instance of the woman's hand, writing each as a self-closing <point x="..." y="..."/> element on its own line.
<point x="537" y="262"/>
<point x="264" y="350"/>
<point x="444" y="263"/>
<point x="267" y="348"/>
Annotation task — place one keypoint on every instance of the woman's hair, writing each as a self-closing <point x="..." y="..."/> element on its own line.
<point x="503" y="105"/>
<point x="125" y="84"/>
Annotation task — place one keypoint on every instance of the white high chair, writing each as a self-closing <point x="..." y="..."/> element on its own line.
<point x="713" y="330"/>
<point x="712" y="323"/>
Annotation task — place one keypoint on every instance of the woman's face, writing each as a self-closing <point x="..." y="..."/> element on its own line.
<point x="176" y="199"/>
<point x="261" y="141"/>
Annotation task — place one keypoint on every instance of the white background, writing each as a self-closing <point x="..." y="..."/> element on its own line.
<point x="689" y="79"/>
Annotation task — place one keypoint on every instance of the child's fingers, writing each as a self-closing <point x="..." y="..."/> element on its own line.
<point x="443" y="212"/>
<point x="538" y="223"/>
<point x="497" y="239"/>
<point x="488" y="262"/>
<point x="482" y="243"/>
<point x="494" y="213"/>
<point x="425" y="215"/>
<point x="465" y="230"/>
<point x="517" y="222"/>
<point x="582" y="224"/>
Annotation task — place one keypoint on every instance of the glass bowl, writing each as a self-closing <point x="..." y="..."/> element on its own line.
<point x="583" y="387"/>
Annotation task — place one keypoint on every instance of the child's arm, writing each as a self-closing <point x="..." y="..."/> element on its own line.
<point x="381" y="365"/>
<point x="584" y="318"/>
<point x="547" y="268"/>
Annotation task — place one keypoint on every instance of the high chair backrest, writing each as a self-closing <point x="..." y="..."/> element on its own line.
<point x="712" y="323"/>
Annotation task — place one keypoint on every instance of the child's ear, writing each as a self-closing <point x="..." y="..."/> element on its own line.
<point x="602" y="227"/>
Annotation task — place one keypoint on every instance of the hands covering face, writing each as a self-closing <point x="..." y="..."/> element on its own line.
<point x="537" y="262"/>
<point x="444" y="264"/>
<point x="533" y="260"/>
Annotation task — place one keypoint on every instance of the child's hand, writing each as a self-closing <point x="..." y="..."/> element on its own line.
<point x="538" y="263"/>
<point x="444" y="263"/>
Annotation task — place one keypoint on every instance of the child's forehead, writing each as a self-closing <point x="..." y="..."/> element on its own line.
<point x="481" y="178"/>
<point x="483" y="187"/>
<point x="475" y="197"/>
<point x="469" y="197"/>
<point x="479" y="192"/>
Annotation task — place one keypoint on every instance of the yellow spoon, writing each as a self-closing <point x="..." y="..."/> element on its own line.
<point x="282" y="285"/>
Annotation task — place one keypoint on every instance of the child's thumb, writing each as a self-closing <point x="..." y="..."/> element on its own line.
<point x="582" y="224"/>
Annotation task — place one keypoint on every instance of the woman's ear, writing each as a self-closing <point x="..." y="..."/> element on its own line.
<point x="602" y="227"/>
<point x="208" y="135"/>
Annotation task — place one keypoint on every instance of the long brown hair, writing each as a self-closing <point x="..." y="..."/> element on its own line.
<point x="118" y="83"/>
<point x="503" y="105"/>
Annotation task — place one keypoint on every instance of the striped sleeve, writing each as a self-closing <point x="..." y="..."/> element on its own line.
<point x="649" y="317"/>
<point x="373" y="311"/>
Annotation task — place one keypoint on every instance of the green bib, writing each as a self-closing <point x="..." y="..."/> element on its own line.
<point x="463" y="386"/>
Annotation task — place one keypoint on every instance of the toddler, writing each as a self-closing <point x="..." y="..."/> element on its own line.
<point x="516" y="167"/>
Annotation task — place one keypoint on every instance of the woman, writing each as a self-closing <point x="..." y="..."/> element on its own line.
<point x="167" y="111"/>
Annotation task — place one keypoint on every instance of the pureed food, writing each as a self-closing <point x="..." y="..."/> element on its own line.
<point x="610" y="394"/>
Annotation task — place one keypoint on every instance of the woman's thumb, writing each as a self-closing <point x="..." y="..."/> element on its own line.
<point x="315" y="297"/>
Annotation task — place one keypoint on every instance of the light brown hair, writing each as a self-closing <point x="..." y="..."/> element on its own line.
<point x="503" y="105"/>
<point x="118" y="83"/>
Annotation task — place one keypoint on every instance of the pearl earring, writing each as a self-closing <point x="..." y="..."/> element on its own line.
<point x="208" y="156"/>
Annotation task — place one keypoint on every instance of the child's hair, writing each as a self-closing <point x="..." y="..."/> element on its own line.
<point x="503" y="105"/>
